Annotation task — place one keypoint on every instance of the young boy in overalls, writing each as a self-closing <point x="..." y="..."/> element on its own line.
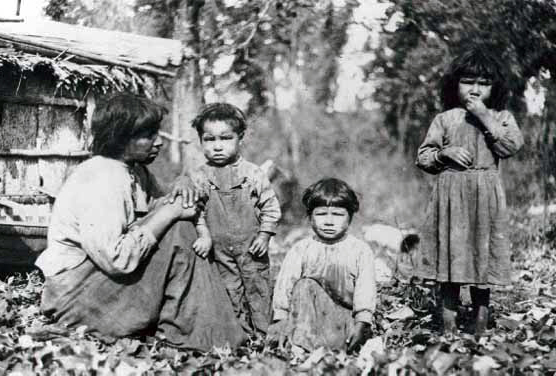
<point x="240" y="216"/>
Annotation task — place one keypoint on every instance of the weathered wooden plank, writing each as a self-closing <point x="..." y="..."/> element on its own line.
<point x="42" y="99"/>
<point x="59" y="128"/>
<point x="82" y="154"/>
<point x="18" y="126"/>
<point x="25" y="217"/>
<point x="18" y="175"/>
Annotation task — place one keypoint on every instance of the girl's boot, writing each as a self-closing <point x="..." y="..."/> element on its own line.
<point x="480" y="298"/>
<point x="450" y="299"/>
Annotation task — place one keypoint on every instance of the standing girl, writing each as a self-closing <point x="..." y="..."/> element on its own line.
<point x="465" y="236"/>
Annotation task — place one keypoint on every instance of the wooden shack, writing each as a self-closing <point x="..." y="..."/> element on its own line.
<point x="51" y="76"/>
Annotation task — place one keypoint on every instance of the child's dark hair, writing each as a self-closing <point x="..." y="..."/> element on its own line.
<point x="223" y="112"/>
<point x="477" y="61"/>
<point x="330" y="192"/>
<point x="117" y="120"/>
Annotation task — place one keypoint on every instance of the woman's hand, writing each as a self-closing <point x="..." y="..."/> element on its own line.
<point x="456" y="154"/>
<point x="202" y="246"/>
<point x="183" y="213"/>
<point x="159" y="219"/>
<point x="200" y="181"/>
<point x="360" y="333"/>
<point x="259" y="246"/>
<point x="187" y="190"/>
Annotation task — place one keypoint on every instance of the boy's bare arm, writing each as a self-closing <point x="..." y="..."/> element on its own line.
<point x="203" y="244"/>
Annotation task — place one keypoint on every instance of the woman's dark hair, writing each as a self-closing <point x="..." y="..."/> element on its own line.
<point x="117" y="120"/>
<point x="477" y="61"/>
<point x="222" y="112"/>
<point x="330" y="192"/>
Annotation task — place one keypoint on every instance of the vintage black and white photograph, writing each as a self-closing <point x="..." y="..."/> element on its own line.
<point x="278" y="187"/>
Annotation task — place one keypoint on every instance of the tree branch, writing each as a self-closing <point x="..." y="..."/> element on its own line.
<point x="253" y="31"/>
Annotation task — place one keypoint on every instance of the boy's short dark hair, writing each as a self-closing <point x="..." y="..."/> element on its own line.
<point x="330" y="192"/>
<point x="476" y="61"/>
<point x="224" y="112"/>
<point x="117" y="120"/>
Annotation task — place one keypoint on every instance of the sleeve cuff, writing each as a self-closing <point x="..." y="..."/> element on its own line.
<point x="268" y="227"/>
<point x="144" y="237"/>
<point x="437" y="160"/>
<point x="364" y="316"/>
<point x="280" y="314"/>
<point x="493" y="137"/>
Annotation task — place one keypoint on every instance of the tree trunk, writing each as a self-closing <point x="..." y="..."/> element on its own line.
<point x="287" y="88"/>
<point x="188" y="93"/>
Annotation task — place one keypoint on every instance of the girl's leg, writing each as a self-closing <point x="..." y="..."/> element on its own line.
<point x="450" y="299"/>
<point x="480" y="299"/>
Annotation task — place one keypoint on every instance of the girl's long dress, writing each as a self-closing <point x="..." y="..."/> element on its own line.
<point x="465" y="232"/>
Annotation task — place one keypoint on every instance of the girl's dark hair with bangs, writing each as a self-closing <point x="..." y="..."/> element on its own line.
<point x="330" y="192"/>
<point x="223" y="112"/>
<point x="117" y="120"/>
<point x="477" y="61"/>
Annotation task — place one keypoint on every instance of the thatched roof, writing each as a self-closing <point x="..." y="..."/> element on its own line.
<point x="101" y="60"/>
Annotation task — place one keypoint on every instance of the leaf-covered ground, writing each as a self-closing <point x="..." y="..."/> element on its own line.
<point x="522" y="338"/>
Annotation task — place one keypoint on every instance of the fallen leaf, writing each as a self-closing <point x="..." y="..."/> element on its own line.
<point x="73" y="363"/>
<point x="501" y="356"/>
<point x="26" y="342"/>
<point x="371" y="349"/>
<point x="403" y="313"/>
<point x="532" y="345"/>
<point x="443" y="362"/>
<point x="550" y="363"/>
<point x="508" y="323"/>
<point x="515" y="316"/>
<point x="538" y="312"/>
<point x="526" y="362"/>
<point x="315" y="357"/>
<point x="484" y="364"/>
<point x="125" y="369"/>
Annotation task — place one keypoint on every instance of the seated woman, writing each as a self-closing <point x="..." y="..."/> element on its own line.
<point x="325" y="293"/>
<point x="118" y="259"/>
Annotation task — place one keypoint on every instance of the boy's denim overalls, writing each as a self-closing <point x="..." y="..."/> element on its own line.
<point x="233" y="224"/>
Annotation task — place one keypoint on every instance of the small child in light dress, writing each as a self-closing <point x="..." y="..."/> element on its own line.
<point x="465" y="234"/>
<point x="240" y="216"/>
<point x="325" y="293"/>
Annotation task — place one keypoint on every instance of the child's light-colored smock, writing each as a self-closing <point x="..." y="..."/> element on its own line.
<point x="465" y="232"/>
<point x="345" y="270"/>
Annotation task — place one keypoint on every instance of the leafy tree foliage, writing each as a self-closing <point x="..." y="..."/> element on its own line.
<point x="104" y="14"/>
